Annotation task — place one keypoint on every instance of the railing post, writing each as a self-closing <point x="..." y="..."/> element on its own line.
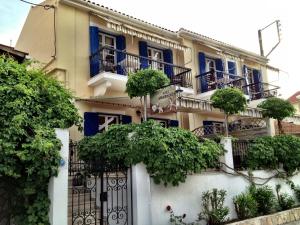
<point x="227" y="159"/>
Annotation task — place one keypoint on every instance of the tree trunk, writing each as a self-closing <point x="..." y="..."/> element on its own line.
<point x="145" y="108"/>
<point x="280" y="129"/>
<point x="226" y="125"/>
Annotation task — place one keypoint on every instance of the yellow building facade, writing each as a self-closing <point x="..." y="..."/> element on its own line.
<point x="91" y="49"/>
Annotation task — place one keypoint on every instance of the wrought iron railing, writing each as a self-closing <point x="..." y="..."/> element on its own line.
<point x="124" y="63"/>
<point x="216" y="79"/>
<point x="236" y="126"/>
<point x="239" y="152"/>
<point x="260" y="90"/>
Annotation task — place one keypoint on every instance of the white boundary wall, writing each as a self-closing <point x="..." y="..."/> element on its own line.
<point x="58" y="186"/>
<point x="150" y="200"/>
<point x="186" y="198"/>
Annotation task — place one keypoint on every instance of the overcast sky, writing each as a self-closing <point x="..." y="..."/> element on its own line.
<point x="232" y="21"/>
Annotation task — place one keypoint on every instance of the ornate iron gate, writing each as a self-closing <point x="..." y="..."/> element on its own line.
<point x="99" y="192"/>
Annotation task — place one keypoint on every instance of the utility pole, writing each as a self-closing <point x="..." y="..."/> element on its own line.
<point x="278" y="25"/>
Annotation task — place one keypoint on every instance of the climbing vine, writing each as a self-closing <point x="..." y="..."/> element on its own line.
<point x="168" y="153"/>
<point x="31" y="106"/>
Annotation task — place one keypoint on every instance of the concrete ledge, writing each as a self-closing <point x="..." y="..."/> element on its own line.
<point x="280" y="218"/>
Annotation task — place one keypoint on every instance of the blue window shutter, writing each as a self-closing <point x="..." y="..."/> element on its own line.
<point x="94" y="47"/>
<point x="91" y="123"/>
<point x="202" y="70"/>
<point x="231" y="69"/>
<point x="173" y="123"/>
<point x="143" y="50"/>
<point x="168" y="58"/>
<point x="258" y="85"/>
<point x="219" y="67"/>
<point x="125" y="119"/>
<point x="121" y="46"/>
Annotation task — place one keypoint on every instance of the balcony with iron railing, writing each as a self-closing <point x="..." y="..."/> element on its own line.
<point x="215" y="79"/>
<point x="123" y="63"/>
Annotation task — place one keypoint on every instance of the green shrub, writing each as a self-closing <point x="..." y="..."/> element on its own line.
<point x="270" y="152"/>
<point x="285" y="201"/>
<point x="168" y="153"/>
<point x="214" y="212"/>
<point x="265" y="198"/>
<point x="297" y="192"/>
<point x="245" y="206"/>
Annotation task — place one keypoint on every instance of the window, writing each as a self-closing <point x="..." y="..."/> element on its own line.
<point x="106" y="121"/>
<point x="157" y="56"/>
<point x="108" y="55"/>
<point x="210" y="64"/>
<point x="249" y="75"/>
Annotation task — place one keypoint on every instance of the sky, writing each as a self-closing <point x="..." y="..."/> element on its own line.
<point x="232" y="21"/>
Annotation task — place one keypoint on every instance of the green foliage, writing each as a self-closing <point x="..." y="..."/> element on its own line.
<point x="269" y="152"/>
<point x="296" y="190"/>
<point x="179" y="220"/>
<point x="285" y="201"/>
<point x="245" y="206"/>
<point x="276" y="108"/>
<point x="265" y="198"/>
<point x="261" y="154"/>
<point x="231" y="100"/>
<point x="168" y="153"/>
<point x="214" y="211"/>
<point x="31" y="106"/>
<point x="145" y="82"/>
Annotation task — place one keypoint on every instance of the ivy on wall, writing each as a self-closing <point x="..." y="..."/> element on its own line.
<point x="168" y="153"/>
<point x="31" y="106"/>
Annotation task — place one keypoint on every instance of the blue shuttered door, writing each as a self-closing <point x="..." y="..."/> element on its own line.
<point x="220" y="68"/>
<point x="91" y="123"/>
<point x="202" y="69"/>
<point x="168" y="58"/>
<point x="173" y="123"/>
<point x="121" y="46"/>
<point x="258" y="85"/>
<point x="94" y="48"/>
<point x="231" y="69"/>
<point x="144" y="53"/>
<point x="125" y="119"/>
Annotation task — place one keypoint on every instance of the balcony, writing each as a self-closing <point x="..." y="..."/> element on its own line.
<point x="114" y="62"/>
<point x="214" y="79"/>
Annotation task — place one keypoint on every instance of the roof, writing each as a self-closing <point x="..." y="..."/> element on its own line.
<point x="293" y="98"/>
<point x="19" y="55"/>
<point x="145" y="25"/>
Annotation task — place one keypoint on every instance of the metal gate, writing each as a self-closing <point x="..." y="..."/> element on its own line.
<point x="99" y="192"/>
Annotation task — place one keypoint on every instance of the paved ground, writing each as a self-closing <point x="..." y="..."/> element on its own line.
<point x="293" y="223"/>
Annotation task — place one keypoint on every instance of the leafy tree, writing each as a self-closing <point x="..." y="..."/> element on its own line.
<point x="278" y="109"/>
<point x="145" y="82"/>
<point x="230" y="100"/>
<point x="168" y="153"/>
<point x="31" y="106"/>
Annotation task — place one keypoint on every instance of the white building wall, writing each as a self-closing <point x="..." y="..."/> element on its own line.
<point x="186" y="198"/>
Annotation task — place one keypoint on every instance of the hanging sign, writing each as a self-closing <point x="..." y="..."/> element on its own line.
<point x="164" y="100"/>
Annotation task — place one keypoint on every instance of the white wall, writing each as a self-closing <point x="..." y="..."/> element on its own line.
<point x="186" y="198"/>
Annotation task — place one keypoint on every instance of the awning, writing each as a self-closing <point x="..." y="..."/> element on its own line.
<point x="127" y="29"/>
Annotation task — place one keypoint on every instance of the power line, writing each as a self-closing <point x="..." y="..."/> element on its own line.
<point x="46" y="7"/>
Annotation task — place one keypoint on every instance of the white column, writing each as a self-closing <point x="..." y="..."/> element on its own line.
<point x="58" y="186"/>
<point x="271" y="126"/>
<point x="228" y="157"/>
<point x="141" y="195"/>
